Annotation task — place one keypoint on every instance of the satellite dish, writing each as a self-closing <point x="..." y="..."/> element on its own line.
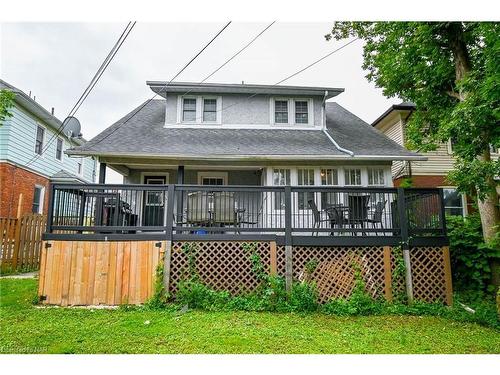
<point x="72" y="127"/>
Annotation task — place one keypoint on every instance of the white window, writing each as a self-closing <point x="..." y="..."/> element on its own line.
<point x="40" y="134"/>
<point x="305" y="177"/>
<point x="189" y="109"/>
<point x="454" y="202"/>
<point x="376" y="177"/>
<point x="281" y="177"/>
<point x="38" y="195"/>
<point x="59" y="149"/>
<point x="212" y="178"/>
<point x="352" y="177"/>
<point x="281" y="111"/>
<point x="209" y="110"/>
<point x="301" y="112"/>
<point x="329" y="177"/>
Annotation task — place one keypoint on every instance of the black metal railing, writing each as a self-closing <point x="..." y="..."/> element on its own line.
<point x="306" y="215"/>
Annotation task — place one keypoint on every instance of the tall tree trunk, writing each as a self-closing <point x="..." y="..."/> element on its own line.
<point x="488" y="205"/>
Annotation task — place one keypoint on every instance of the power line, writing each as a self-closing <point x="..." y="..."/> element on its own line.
<point x="89" y="87"/>
<point x="232" y="57"/>
<point x="292" y="75"/>
<point x="165" y="86"/>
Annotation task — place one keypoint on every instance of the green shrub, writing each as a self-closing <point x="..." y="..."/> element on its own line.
<point x="303" y="297"/>
<point x="470" y="256"/>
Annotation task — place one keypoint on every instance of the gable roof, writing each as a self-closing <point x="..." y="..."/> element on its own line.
<point x="29" y="104"/>
<point x="144" y="135"/>
<point x="404" y="106"/>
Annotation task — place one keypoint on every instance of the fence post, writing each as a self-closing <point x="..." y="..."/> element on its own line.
<point x="288" y="239"/>
<point x="403" y="223"/>
<point x="168" y="235"/>
<point x="387" y="274"/>
<point x="273" y="259"/>
<point x="447" y="275"/>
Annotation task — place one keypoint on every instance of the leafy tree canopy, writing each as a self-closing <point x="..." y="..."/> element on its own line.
<point x="418" y="62"/>
<point x="6" y="102"/>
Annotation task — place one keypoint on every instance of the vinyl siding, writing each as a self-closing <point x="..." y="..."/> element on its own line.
<point x="17" y="145"/>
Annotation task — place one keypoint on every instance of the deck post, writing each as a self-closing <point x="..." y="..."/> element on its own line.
<point x="168" y="234"/>
<point x="288" y="239"/>
<point x="180" y="197"/>
<point x="405" y="244"/>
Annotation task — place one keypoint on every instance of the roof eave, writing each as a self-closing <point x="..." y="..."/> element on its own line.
<point x="217" y="157"/>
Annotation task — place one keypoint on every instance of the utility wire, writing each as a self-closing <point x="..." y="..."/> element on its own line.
<point x="164" y="87"/>
<point x="90" y="86"/>
<point x="232" y="57"/>
<point x="291" y="75"/>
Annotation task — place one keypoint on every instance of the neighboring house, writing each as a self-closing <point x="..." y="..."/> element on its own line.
<point x="240" y="134"/>
<point x="429" y="173"/>
<point x="23" y="136"/>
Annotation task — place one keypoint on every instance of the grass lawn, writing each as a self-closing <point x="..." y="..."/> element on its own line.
<point x="27" y="329"/>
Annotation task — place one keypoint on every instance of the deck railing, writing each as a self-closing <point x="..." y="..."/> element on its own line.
<point x="302" y="214"/>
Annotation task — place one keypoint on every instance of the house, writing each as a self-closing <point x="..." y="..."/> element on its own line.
<point x="28" y="162"/>
<point x="218" y="166"/>
<point x="424" y="173"/>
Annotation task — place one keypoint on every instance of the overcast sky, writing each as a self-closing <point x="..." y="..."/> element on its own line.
<point x="55" y="61"/>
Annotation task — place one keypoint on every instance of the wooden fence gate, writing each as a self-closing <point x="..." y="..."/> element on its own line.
<point x="21" y="242"/>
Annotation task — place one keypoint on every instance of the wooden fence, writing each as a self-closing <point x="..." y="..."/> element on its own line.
<point x="21" y="242"/>
<point x="117" y="272"/>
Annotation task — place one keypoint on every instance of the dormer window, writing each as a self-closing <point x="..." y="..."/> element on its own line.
<point x="189" y="110"/>
<point x="291" y="111"/>
<point x="281" y="112"/>
<point x="301" y="112"/>
<point x="209" y="110"/>
<point x="199" y="110"/>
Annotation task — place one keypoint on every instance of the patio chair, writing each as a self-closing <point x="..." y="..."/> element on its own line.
<point x="316" y="216"/>
<point x="377" y="215"/>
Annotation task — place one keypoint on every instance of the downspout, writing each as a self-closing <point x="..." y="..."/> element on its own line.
<point x="341" y="149"/>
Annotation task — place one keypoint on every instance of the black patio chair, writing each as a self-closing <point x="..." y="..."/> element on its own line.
<point x="317" y="216"/>
<point x="377" y="216"/>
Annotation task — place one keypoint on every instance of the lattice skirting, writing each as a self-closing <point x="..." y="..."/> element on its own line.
<point x="225" y="265"/>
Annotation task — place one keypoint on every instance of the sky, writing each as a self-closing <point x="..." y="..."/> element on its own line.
<point x="56" y="61"/>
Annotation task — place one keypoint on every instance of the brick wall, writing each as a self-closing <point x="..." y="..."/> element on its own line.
<point x="14" y="181"/>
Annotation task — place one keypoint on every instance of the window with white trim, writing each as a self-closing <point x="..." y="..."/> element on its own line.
<point x="281" y="177"/>
<point x="376" y="177"/>
<point x="453" y="202"/>
<point x="189" y="109"/>
<point x="59" y="149"/>
<point x="209" y="110"/>
<point x="40" y="134"/>
<point x="352" y="177"/>
<point x="305" y="177"/>
<point x="38" y="193"/>
<point x="329" y="177"/>
<point x="301" y="112"/>
<point x="281" y="111"/>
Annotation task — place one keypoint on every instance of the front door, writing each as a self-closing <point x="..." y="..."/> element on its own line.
<point x="154" y="202"/>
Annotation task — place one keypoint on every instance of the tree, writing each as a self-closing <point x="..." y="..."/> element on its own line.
<point x="6" y="102"/>
<point x="451" y="71"/>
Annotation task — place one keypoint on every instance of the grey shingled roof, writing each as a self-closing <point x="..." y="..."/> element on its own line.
<point x="144" y="135"/>
<point x="352" y="133"/>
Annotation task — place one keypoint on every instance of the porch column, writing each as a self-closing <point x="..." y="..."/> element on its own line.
<point x="102" y="173"/>
<point x="180" y="194"/>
